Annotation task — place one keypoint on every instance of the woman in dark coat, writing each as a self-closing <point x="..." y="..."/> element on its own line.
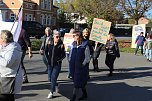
<point x="112" y="50"/>
<point x="79" y="63"/>
<point x="55" y="54"/>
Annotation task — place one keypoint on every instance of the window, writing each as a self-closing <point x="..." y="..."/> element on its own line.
<point x="44" y="20"/>
<point x="48" y="20"/>
<point x="12" y="16"/>
<point x="30" y="6"/>
<point x="1" y="2"/>
<point x="26" y="17"/>
<point x="30" y="17"/>
<point x="53" y="21"/>
<point x="41" y="19"/>
<point x="45" y="4"/>
<point x="42" y="4"/>
<point x="26" y="5"/>
<point x="49" y="5"/>
<point x="12" y="3"/>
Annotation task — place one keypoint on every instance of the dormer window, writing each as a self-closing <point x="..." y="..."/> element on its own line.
<point x="1" y="2"/>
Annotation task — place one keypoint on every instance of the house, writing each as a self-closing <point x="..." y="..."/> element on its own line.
<point x="41" y="11"/>
<point x="148" y="23"/>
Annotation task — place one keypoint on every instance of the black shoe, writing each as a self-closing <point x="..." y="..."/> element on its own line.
<point x="110" y="74"/>
<point x="69" y="77"/>
<point x="97" y="70"/>
<point x="25" y="81"/>
<point x="83" y="97"/>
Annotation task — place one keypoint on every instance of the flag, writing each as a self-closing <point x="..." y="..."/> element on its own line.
<point x="17" y="27"/>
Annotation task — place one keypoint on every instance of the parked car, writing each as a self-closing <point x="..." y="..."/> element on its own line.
<point x="35" y="29"/>
<point x="63" y="31"/>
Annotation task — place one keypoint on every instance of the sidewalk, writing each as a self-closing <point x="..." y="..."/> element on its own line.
<point x="132" y="81"/>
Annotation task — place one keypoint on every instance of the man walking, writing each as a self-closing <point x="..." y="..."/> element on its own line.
<point x="25" y="44"/>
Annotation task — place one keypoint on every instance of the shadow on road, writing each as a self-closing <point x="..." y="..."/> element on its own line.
<point x="110" y="91"/>
<point x="17" y="96"/>
<point x="121" y="74"/>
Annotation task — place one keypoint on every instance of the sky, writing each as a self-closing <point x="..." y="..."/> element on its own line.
<point x="149" y="14"/>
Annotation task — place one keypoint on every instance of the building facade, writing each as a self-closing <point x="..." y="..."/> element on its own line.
<point x="41" y="11"/>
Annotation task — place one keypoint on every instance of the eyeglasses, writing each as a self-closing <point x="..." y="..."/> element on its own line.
<point x="57" y="36"/>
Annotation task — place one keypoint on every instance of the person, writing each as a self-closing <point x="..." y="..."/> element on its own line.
<point x="86" y="35"/>
<point x="67" y="53"/>
<point x="10" y="57"/>
<point x="148" y="47"/>
<point x="79" y="59"/>
<point x="140" y="42"/>
<point x="46" y="38"/>
<point x="24" y="41"/>
<point x="95" y="49"/>
<point x="55" y="53"/>
<point x="96" y="52"/>
<point x="112" y="51"/>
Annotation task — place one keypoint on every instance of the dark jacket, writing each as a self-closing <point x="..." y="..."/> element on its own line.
<point x="140" y="40"/>
<point x="44" y="44"/>
<point x="112" y="48"/>
<point x="55" y="54"/>
<point x="90" y="44"/>
<point x="97" y="51"/>
<point x="79" y="72"/>
<point x="24" y="40"/>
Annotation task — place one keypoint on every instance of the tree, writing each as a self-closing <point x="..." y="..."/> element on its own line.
<point x="105" y="9"/>
<point x="56" y="3"/>
<point x="61" y="5"/>
<point x="61" y="18"/>
<point x="135" y="8"/>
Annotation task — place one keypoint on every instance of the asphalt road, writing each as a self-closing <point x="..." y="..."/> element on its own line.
<point x="132" y="81"/>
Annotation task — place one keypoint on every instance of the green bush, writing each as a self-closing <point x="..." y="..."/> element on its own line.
<point x="123" y="45"/>
<point x="36" y="44"/>
<point x="127" y="50"/>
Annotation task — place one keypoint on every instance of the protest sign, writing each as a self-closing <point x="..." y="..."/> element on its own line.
<point x="136" y="30"/>
<point x="68" y="40"/>
<point x="100" y="30"/>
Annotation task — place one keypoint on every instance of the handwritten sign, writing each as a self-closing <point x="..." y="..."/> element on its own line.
<point x="136" y="31"/>
<point x="68" y="40"/>
<point x="100" y="30"/>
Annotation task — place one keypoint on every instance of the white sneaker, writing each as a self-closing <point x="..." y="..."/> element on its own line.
<point x="50" y="95"/>
<point x="57" y="89"/>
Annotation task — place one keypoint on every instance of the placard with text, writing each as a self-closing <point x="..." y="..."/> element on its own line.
<point x="100" y="30"/>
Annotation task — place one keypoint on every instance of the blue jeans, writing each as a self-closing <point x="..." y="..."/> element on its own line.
<point x="44" y="60"/>
<point x="53" y="73"/>
<point x="148" y="54"/>
<point x="137" y="47"/>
